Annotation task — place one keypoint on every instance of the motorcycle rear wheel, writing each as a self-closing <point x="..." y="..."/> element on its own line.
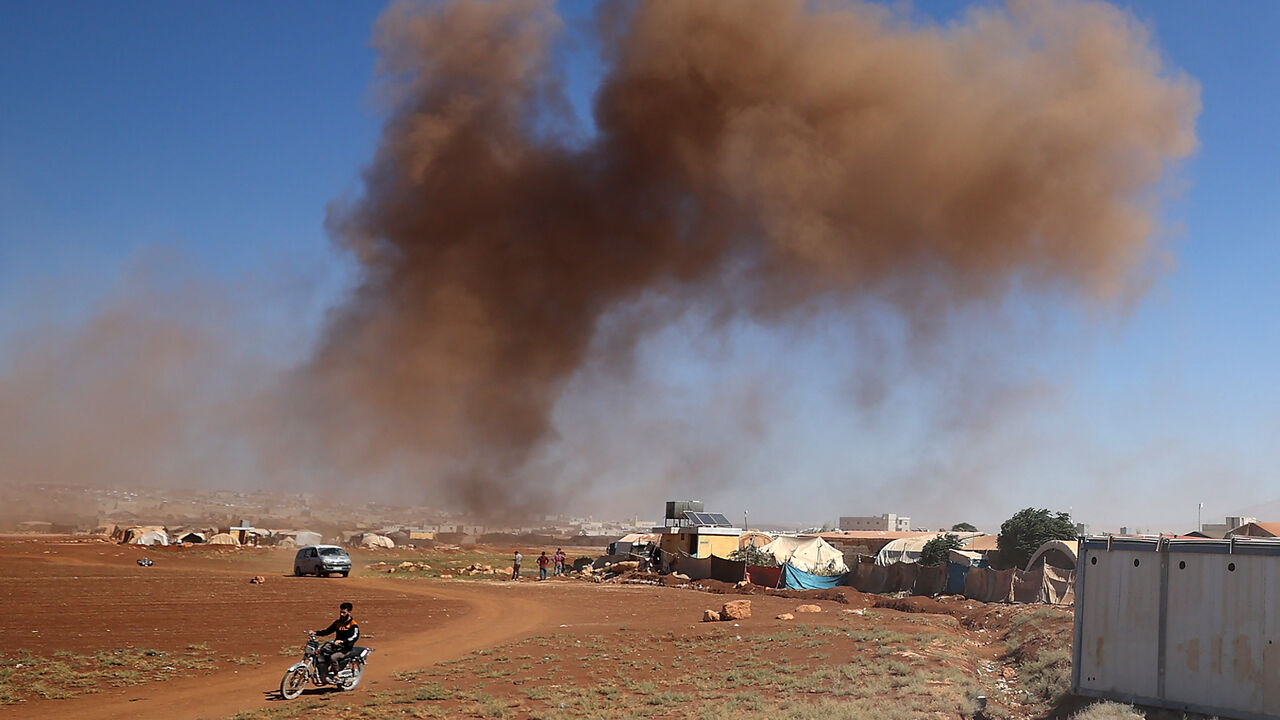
<point x="293" y="683"/>
<point x="357" y="673"/>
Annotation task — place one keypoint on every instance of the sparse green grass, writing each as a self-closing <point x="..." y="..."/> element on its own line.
<point x="66" y="674"/>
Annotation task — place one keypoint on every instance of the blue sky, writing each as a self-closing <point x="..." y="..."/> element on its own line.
<point x="220" y="132"/>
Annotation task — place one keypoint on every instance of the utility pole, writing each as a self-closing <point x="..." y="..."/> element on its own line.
<point x="1199" y="525"/>
<point x="744" y="519"/>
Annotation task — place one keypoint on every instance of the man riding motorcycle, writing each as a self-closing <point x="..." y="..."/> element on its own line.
<point x="345" y="632"/>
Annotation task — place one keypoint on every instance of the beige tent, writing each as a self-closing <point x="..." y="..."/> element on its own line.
<point x="132" y="535"/>
<point x="1058" y="553"/>
<point x="810" y="554"/>
<point x="306" y="537"/>
<point x="373" y="540"/>
<point x="154" y="537"/>
<point x="909" y="549"/>
<point x="223" y="539"/>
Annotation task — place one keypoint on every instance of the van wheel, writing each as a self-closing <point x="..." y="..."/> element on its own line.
<point x="345" y="574"/>
<point x="297" y="571"/>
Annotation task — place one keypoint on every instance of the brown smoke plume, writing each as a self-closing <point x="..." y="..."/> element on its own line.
<point x="757" y="157"/>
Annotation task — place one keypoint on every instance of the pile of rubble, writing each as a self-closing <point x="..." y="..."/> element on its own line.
<point x="405" y="566"/>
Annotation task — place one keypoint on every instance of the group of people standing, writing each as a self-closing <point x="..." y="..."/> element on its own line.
<point x="556" y="561"/>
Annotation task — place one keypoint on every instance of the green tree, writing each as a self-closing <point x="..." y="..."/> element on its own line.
<point x="1029" y="528"/>
<point x="935" y="551"/>
<point x="751" y="555"/>
<point x="964" y="527"/>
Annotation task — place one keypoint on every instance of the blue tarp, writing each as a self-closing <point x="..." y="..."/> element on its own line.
<point x="955" y="578"/>
<point x="801" y="580"/>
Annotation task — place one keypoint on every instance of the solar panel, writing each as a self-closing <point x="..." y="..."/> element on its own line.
<point x="704" y="519"/>
<point x="696" y="518"/>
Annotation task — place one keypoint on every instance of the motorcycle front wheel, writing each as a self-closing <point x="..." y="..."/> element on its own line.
<point x="357" y="672"/>
<point x="293" y="683"/>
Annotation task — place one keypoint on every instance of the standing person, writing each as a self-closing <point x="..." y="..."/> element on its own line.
<point x="345" y="632"/>
<point x="559" y="558"/>
<point x="543" y="562"/>
<point x="515" y="565"/>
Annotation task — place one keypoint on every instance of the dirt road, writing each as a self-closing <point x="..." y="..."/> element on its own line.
<point x="86" y="597"/>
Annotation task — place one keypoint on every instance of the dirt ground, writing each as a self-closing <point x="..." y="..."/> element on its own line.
<point x="78" y="597"/>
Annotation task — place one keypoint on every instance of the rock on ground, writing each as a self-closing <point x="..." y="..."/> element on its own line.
<point x="809" y="608"/>
<point x="736" y="610"/>
<point x="710" y="616"/>
<point x="786" y="616"/>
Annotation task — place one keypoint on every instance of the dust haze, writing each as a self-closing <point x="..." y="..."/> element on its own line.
<point x="763" y="164"/>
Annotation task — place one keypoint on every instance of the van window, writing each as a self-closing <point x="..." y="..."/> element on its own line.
<point x="311" y="552"/>
<point x="331" y="551"/>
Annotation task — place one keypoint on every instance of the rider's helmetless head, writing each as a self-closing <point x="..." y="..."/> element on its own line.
<point x="345" y="608"/>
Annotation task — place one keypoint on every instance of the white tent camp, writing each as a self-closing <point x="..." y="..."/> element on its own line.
<point x="223" y="539"/>
<point x="132" y="534"/>
<point x="909" y="549"/>
<point x="812" y="555"/>
<point x="306" y="537"/>
<point x="373" y="540"/>
<point x="1058" y="553"/>
<point x="153" y="537"/>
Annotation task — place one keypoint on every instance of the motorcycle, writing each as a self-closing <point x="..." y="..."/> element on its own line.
<point x="348" y="676"/>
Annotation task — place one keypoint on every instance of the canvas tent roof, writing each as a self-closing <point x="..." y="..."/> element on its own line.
<point x="153" y="537"/>
<point x="190" y="537"/>
<point x="223" y="539"/>
<point x="131" y="534"/>
<point x="637" y="538"/>
<point x="812" y="554"/>
<point x="375" y="540"/>
<point x="909" y="549"/>
<point x="1058" y="553"/>
<point x="307" y="537"/>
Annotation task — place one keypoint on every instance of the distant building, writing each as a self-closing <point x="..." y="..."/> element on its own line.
<point x="884" y="523"/>
<point x="1224" y="528"/>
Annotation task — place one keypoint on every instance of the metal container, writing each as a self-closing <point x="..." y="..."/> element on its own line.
<point x="1187" y="624"/>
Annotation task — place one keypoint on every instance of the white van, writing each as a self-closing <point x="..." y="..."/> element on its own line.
<point x="321" y="560"/>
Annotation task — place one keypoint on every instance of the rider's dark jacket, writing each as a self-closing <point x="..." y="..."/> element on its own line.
<point x="346" y="632"/>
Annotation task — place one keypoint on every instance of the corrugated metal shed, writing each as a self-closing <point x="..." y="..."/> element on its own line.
<point x="1188" y="624"/>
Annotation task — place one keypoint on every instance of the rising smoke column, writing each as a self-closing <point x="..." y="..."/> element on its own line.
<point x="753" y="157"/>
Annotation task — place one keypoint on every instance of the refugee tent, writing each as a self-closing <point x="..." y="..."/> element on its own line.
<point x="795" y="579"/>
<point x="306" y="537"/>
<point x="1058" y="553"/>
<point x="909" y="549"/>
<point x="286" y="541"/>
<point x="222" y="539"/>
<point x="130" y="535"/>
<point x="810" y="555"/>
<point x="191" y="537"/>
<point x="753" y="538"/>
<point x="373" y="540"/>
<point x="153" y="537"/>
